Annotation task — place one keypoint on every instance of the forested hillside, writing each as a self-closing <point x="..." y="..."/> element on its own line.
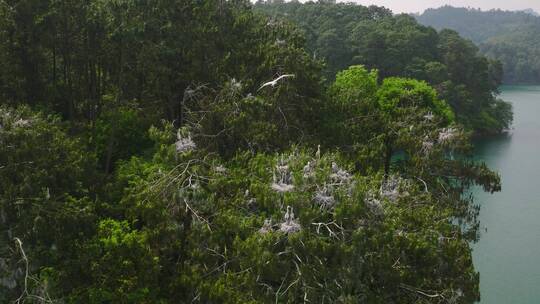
<point x="179" y="151"/>
<point x="511" y="37"/>
<point x="348" y="34"/>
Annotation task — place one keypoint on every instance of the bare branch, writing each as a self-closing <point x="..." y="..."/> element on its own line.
<point x="25" y="293"/>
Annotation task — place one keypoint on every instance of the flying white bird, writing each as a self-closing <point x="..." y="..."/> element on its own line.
<point x="274" y="82"/>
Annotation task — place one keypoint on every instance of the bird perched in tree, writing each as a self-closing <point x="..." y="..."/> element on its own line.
<point x="274" y="82"/>
<point x="335" y="168"/>
<point x="289" y="215"/>
<point x="318" y="153"/>
<point x="429" y="116"/>
<point x="290" y="225"/>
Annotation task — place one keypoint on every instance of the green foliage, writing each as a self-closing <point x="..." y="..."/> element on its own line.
<point x="355" y="82"/>
<point x="350" y="113"/>
<point x="43" y="171"/>
<point x="237" y="117"/>
<point x="133" y="279"/>
<point x="399" y="92"/>
<point x="72" y="56"/>
<point x="395" y="109"/>
<point x="207" y="223"/>
<point x="118" y="134"/>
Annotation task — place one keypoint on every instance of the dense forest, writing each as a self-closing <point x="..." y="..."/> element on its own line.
<point x="348" y="34"/>
<point x="200" y="151"/>
<point x="510" y="37"/>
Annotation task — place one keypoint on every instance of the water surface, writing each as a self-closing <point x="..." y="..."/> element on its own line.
<point x="508" y="254"/>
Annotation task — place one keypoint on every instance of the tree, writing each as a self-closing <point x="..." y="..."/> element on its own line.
<point x="44" y="178"/>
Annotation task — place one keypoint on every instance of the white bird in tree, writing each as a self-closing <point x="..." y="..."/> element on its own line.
<point x="274" y="82"/>
<point x="335" y="168"/>
<point x="429" y="116"/>
<point x="318" y="153"/>
<point x="290" y="225"/>
<point x="289" y="215"/>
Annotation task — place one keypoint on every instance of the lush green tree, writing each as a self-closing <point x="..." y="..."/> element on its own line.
<point x="119" y="133"/>
<point x="351" y="115"/>
<point x="44" y="176"/>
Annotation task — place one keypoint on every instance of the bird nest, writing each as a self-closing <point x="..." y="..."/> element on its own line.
<point x="184" y="143"/>
<point x="282" y="178"/>
<point x="324" y="198"/>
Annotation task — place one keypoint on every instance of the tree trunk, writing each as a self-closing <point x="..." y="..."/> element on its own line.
<point x="387" y="157"/>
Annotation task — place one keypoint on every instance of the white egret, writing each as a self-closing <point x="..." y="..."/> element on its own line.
<point x="274" y="82"/>
<point x="429" y="116"/>
<point x="287" y="216"/>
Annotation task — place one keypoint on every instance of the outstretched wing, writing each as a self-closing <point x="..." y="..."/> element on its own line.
<point x="285" y="76"/>
<point x="265" y="85"/>
<point x="275" y="81"/>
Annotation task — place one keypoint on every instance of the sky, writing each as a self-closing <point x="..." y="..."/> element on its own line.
<point x="418" y="6"/>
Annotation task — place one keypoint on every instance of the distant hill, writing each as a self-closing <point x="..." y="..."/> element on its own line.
<point x="511" y="37"/>
<point x="531" y="12"/>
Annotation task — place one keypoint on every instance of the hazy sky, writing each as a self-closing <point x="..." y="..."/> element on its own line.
<point x="414" y="6"/>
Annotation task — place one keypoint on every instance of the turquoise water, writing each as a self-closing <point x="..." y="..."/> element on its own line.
<point x="508" y="254"/>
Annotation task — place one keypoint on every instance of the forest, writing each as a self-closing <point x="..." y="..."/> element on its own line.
<point x="512" y="37"/>
<point x="211" y="151"/>
<point x="348" y="34"/>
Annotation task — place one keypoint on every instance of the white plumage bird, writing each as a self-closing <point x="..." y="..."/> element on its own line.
<point x="274" y="82"/>
<point x="335" y="168"/>
<point x="429" y="116"/>
<point x="289" y="216"/>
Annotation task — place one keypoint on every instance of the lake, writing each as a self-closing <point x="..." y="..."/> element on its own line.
<point x="508" y="254"/>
